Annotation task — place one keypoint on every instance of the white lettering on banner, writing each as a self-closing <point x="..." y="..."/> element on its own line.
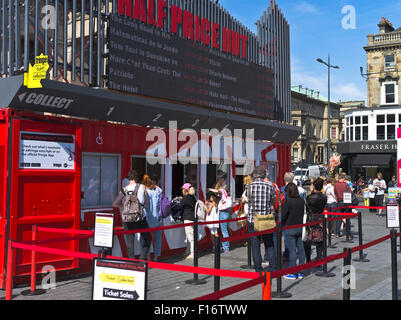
<point x="46" y="100"/>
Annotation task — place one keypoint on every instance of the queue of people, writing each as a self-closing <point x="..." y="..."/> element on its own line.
<point x="288" y="205"/>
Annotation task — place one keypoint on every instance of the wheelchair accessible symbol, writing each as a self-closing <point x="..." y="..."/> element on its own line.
<point x="99" y="139"/>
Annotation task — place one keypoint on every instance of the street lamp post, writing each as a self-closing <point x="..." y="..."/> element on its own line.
<point x="328" y="108"/>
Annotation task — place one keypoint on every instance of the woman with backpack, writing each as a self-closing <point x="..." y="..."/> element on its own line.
<point x="152" y="213"/>
<point x="134" y="198"/>
<point x="187" y="206"/>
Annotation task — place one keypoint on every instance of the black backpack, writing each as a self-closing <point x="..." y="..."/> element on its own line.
<point x="176" y="213"/>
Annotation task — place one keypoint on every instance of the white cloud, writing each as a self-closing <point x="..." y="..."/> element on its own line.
<point x="348" y="91"/>
<point x="305" y="7"/>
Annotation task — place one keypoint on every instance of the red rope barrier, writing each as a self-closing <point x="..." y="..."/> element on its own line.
<point x="231" y="290"/>
<point x="371" y="244"/>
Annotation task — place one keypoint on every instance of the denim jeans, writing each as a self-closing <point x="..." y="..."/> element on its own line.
<point x="332" y="224"/>
<point x="256" y="253"/>
<point x="225" y="215"/>
<point x="293" y="238"/>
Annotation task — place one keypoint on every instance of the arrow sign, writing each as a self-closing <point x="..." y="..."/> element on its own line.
<point x="22" y="96"/>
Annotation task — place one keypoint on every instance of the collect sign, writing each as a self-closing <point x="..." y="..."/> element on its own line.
<point x="46" y="151"/>
<point x="104" y="230"/>
<point x="148" y="61"/>
<point x="119" y="280"/>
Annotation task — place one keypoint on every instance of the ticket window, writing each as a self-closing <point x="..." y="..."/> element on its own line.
<point x="218" y="174"/>
<point x="100" y="180"/>
<point x="154" y="171"/>
<point x="182" y="174"/>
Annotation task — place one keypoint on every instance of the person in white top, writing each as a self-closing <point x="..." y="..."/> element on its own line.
<point x="331" y="202"/>
<point x="212" y="214"/>
<point x="380" y="186"/>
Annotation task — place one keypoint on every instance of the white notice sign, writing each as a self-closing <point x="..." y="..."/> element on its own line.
<point x="119" y="280"/>
<point x="347" y="197"/>
<point x="104" y="230"/>
<point x="46" y="151"/>
<point x="393" y="217"/>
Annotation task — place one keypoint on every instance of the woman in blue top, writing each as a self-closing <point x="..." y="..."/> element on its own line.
<point x="152" y="214"/>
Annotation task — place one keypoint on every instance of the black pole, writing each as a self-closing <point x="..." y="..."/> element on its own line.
<point x="348" y="228"/>
<point x="217" y="264"/>
<point x="361" y="255"/>
<point x="347" y="285"/>
<point x="279" y="293"/>
<point x="394" y="272"/>
<point x="324" y="273"/>
<point x="195" y="280"/>
<point x="249" y="252"/>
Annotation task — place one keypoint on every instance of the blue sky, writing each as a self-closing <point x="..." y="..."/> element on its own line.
<point x="316" y="31"/>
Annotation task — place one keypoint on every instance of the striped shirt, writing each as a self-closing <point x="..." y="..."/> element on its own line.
<point x="261" y="193"/>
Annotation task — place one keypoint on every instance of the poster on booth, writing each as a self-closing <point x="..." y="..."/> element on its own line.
<point x="104" y="230"/>
<point x="394" y="193"/>
<point x="119" y="280"/>
<point x="46" y="151"/>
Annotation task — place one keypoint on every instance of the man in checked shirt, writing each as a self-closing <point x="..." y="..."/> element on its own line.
<point x="259" y="194"/>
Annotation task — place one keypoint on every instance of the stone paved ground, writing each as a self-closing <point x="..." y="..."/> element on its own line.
<point x="373" y="279"/>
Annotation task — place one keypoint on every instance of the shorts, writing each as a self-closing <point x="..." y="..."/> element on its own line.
<point x="379" y="200"/>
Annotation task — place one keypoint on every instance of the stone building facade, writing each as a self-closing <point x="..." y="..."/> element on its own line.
<point x="383" y="66"/>
<point x="309" y="111"/>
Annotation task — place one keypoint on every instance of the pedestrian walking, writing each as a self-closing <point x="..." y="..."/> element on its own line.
<point x="187" y="206"/>
<point x="260" y="195"/>
<point x="134" y="199"/>
<point x="292" y="214"/>
<point x="315" y="204"/>
<point x="153" y="214"/>
<point x="381" y="187"/>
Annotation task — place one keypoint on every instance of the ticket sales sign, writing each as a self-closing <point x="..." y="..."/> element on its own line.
<point x="119" y="280"/>
<point x="148" y="61"/>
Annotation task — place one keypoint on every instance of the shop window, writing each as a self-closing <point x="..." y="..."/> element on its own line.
<point x="100" y="180"/>
<point x="351" y="119"/>
<point x="296" y="154"/>
<point x="365" y="119"/>
<point x="348" y="135"/>
<point x="391" y="132"/>
<point x="142" y="166"/>
<point x="391" y="118"/>
<point x="380" y="118"/>
<point x="381" y="135"/>
<point x="182" y="174"/>
<point x="357" y="133"/>
<point x="320" y="152"/>
<point x="357" y="120"/>
<point x="365" y="133"/>
<point x="351" y="134"/>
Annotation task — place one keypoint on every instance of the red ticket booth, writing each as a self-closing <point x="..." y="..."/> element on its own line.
<point x="42" y="174"/>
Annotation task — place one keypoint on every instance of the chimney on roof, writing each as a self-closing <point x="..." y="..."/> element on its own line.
<point x="385" y="26"/>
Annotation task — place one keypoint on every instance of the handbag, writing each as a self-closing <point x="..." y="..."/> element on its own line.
<point x="313" y="234"/>
<point x="225" y="201"/>
<point x="242" y="214"/>
<point x="262" y="222"/>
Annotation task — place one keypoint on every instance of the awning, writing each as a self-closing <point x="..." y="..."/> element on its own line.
<point x="100" y="104"/>
<point x="372" y="160"/>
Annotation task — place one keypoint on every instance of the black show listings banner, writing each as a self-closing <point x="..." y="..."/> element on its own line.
<point x="147" y="61"/>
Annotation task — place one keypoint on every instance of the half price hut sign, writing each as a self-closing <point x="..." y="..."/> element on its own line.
<point x="154" y="12"/>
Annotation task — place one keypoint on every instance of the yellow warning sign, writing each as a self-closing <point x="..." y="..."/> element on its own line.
<point x="37" y="72"/>
<point x="105" y="277"/>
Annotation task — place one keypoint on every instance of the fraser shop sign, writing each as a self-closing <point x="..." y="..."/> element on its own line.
<point x="194" y="28"/>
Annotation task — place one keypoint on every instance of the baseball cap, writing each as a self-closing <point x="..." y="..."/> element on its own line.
<point x="186" y="186"/>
